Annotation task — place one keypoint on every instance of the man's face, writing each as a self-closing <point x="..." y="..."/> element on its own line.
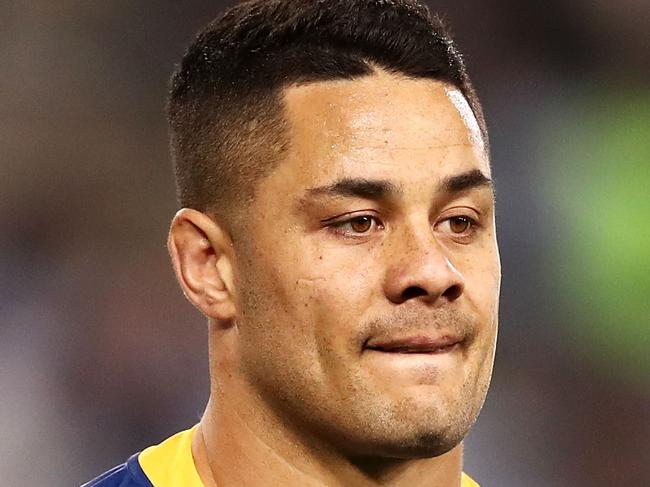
<point x="368" y="274"/>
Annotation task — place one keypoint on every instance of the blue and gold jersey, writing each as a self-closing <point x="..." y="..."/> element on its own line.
<point x="169" y="464"/>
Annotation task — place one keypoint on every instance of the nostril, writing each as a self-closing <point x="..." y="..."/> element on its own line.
<point x="452" y="292"/>
<point x="413" y="292"/>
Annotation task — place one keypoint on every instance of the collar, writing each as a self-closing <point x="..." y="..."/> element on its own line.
<point x="170" y="463"/>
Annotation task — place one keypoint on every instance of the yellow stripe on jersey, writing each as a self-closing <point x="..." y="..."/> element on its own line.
<point x="467" y="481"/>
<point x="170" y="464"/>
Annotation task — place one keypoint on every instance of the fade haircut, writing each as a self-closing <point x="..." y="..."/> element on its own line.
<point x="225" y="105"/>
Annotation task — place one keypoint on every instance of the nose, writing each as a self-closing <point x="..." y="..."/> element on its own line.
<point x="422" y="270"/>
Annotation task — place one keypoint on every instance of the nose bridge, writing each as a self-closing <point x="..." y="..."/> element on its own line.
<point x="420" y="265"/>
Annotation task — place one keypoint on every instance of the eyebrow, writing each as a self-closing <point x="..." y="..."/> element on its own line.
<point x="374" y="189"/>
<point x="468" y="180"/>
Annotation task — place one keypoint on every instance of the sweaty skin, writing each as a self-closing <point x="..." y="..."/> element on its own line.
<point x="376" y="229"/>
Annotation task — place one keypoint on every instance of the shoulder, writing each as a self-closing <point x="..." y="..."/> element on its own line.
<point x="129" y="474"/>
<point x="167" y="464"/>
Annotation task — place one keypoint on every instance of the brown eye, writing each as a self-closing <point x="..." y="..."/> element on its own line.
<point x="361" y="224"/>
<point x="359" y="227"/>
<point x="459" y="224"/>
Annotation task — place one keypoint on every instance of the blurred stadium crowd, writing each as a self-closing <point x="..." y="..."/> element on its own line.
<point x="100" y="355"/>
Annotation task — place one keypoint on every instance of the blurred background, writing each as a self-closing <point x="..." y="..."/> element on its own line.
<point x="100" y="355"/>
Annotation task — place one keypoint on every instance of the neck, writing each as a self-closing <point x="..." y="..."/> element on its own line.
<point x="240" y="442"/>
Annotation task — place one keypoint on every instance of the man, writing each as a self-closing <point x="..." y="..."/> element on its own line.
<point x="338" y="233"/>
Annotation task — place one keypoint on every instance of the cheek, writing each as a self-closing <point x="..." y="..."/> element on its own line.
<point x="303" y="293"/>
<point x="482" y="274"/>
<point x="331" y="276"/>
<point x="306" y="288"/>
<point x="481" y="270"/>
<point x="335" y="296"/>
<point x="307" y="315"/>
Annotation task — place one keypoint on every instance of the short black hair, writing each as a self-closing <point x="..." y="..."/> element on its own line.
<point x="224" y="108"/>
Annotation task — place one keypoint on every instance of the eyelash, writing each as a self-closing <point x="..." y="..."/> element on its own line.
<point x="376" y="223"/>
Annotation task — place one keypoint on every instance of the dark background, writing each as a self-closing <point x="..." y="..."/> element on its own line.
<point x="100" y="355"/>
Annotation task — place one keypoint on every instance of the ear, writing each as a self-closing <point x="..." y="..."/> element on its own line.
<point x="201" y="252"/>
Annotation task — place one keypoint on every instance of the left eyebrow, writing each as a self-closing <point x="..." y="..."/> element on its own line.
<point x="465" y="181"/>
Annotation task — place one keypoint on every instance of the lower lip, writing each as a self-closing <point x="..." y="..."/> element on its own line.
<point x="430" y="363"/>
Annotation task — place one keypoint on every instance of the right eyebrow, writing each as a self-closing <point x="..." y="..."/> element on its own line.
<point x="372" y="189"/>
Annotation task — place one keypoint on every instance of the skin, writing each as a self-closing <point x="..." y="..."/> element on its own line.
<point x="310" y="279"/>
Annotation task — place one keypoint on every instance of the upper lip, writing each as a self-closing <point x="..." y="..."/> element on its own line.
<point x="413" y="343"/>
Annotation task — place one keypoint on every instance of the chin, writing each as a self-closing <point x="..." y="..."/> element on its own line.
<point x="423" y="445"/>
<point x="404" y="442"/>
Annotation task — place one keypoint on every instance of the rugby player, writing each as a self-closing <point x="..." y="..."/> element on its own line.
<point x="337" y="231"/>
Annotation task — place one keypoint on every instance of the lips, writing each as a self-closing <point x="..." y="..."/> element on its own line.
<point x="414" y="344"/>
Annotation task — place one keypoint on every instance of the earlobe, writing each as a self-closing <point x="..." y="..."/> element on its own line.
<point x="202" y="260"/>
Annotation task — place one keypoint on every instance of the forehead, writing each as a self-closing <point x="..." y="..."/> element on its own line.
<point x="382" y="125"/>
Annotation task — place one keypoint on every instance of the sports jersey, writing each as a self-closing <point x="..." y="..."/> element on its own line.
<point x="169" y="464"/>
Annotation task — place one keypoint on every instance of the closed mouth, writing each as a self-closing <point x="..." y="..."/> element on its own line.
<point x="411" y="350"/>
<point x="416" y="344"/>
